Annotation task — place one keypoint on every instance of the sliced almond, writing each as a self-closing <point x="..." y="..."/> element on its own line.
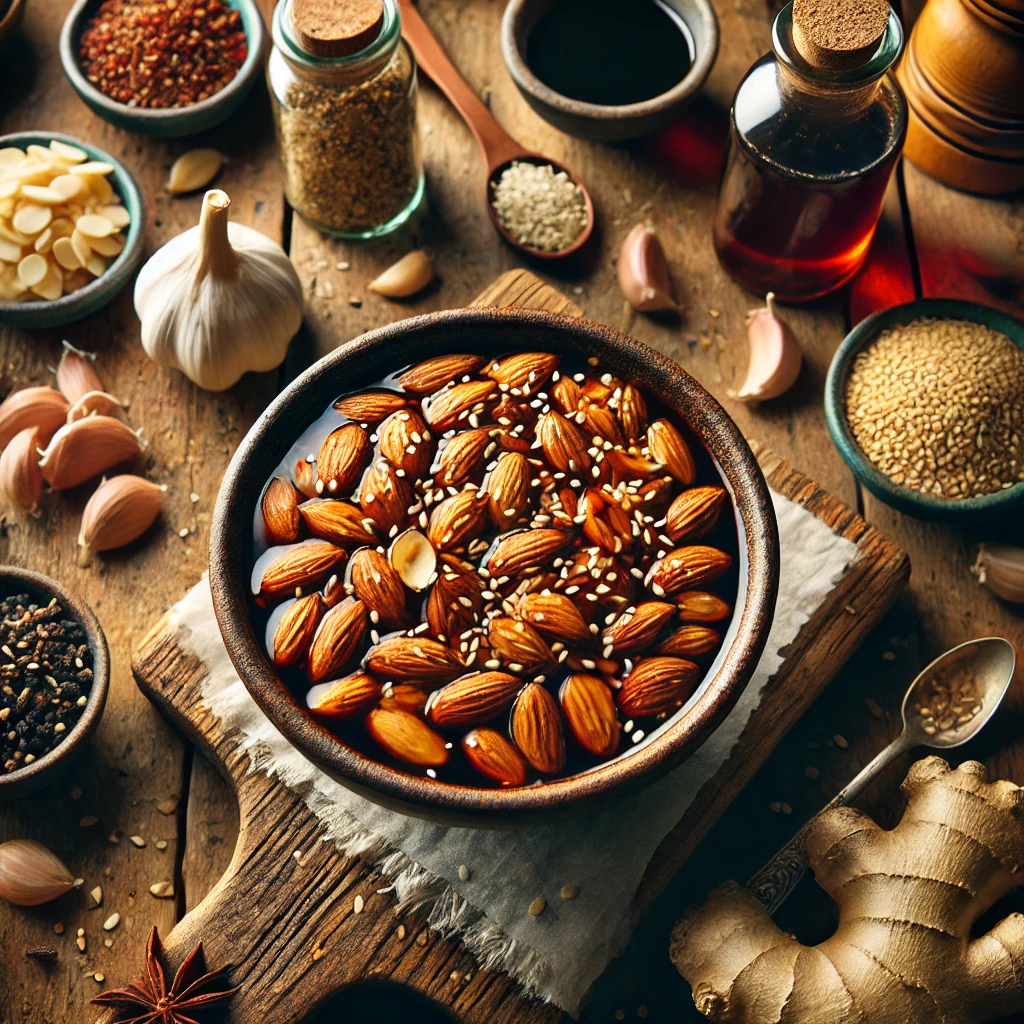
<point x="194" y="170"/>
<point x="92" y="225"/>
<point x="537" y="729"/>
<point x="32" y="218"/>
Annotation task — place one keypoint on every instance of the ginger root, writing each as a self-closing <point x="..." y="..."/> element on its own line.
<point x="907" y="900"/>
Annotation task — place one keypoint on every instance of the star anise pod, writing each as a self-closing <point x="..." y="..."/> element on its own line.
<point x="153" y="1002"/>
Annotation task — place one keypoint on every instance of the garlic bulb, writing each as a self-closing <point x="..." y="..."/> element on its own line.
<point x="218" y="300"/>
<point x="30" y="874"/>
<point x="775" y="356"/>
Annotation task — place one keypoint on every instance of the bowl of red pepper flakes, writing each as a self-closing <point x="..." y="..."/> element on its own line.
<point x="164" y="68"/>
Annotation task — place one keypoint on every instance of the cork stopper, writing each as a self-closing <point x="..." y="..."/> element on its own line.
<point x="337" y="28"/>
<point x="837" y="35"/>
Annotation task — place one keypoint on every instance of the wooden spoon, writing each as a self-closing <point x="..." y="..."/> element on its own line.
<point x="499" y="149"/>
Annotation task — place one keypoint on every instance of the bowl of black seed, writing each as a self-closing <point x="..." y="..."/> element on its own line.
<point x="54" y="673"/>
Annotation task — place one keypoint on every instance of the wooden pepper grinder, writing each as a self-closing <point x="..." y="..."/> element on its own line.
<point x="963" y="76"/>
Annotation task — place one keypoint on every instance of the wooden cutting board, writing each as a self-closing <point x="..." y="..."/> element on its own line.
<point x="288" y="923"/>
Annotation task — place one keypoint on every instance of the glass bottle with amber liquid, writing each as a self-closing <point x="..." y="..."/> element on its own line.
<point x="817" y="127"/>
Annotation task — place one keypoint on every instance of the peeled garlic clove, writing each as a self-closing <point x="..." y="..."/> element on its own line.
<point x="414" y="559"/>
<point x="194" y="170"/>
<point x="76" y="373"/>
<point x="411" y="274"/>
<point x="643" y="272"/>
<point x="774" y="356"/>
<point x="93" y="402"/>
<point x="45" y="408"/>
<point x="1000" y="567"/>
<point x="120" y="510"/>
<point x="21" y="483"/>
<point x="86" y="448"/>
<point x="30" y="874"/>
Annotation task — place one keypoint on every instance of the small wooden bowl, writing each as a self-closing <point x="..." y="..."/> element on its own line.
<point x="905" y="499"/>
<point x="491" y="332"/>
<point x="53" y="765"/>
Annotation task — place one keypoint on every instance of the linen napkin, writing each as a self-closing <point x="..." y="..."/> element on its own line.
<point x="558" y="954"/>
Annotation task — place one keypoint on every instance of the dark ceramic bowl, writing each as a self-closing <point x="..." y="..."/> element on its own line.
<point x="488" y="331"/>
<point x="1003" y="503"/>
<point x="52" y="766"/>
<point x="594" y="121"/>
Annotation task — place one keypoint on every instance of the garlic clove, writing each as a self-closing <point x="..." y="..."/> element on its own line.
<point x="1000" y="567"/>
<point x="411" y="274"/>
<point x="86" y="448"/>
<point x="414" y="559"/>
<point x="42" y="407"/>
<point x="120" y="510"/>
<point x="93" y="402"/>
<point x="76" y="373"/>
<point x="775" y="356"/>
<point x="31" y="875"/>
<point x="194" y="170"/>
<point x="21" y="482"/>
<point x="643" y="272"/>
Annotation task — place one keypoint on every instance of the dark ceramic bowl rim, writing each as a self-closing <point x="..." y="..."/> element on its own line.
<point x="71" y="32"/>
<point x="520" y="71"/>
<point x="132" y="250"/>
<point x="38" y="585"/>
<point x="314" y="390"/>
<point x="904" y="498"/>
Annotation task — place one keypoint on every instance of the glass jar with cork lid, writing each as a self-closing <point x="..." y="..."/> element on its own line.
<point x="343" y="88"/>
<point x="817" y="127"/>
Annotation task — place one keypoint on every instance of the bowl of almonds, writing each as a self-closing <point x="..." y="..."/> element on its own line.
<point x="486" y="566"/>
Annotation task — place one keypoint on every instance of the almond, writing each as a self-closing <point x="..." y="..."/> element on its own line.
<point x="378" y="586"/>
<point x="689" y="641"/>
<point x="473" y="699"/>
<point x="414" y="659"/>
<point x="371" y="406"/>
<point x="345" y="698"/>
<point x="519" y="646"/>
<point x="458" y="520"/>
<point x="657" y="686"/>
<point x="404" y="696"/>
<point x="280" y="505"/>
<point x="567" y="396"/>
<point x="525" y="550"/>
<point x="336" y="640"/>
<point x="463" y="457"/>
<point x="667" y="447"/>
<point x="508" y="489"/>
<point x="511" y="412"/>
<point x="600" y="422"/>
<point x="639" y="627"/>
<point x="426" y="377"/>
<point x="525" y="371"/>
<point x="695" y="513"/>
<point x="305" y="478"/>
<point x="458" y="403"/>
<point x="385" y="498"/>
<point x="403" y="439"/>
<point x="594" y="579"/>
<point x="699" y="606"/>
<point x="302" y="567"/>
<point x="686" y="568"/>
<point x="337" y="521"/>
<point x="295" y="631"/>
<point x="555" y="616"/>
<point x="341" y="460"/>
<point x="607" y="524"/>
<point x="589" y="711"/>
<point x="494" y="757"/>
<point x="563" y="442"/>
<point x="655" y="495"/>
<point x="626" y="468"/>
<point x="537" y="729"/>
<point x="632" y="413"/>
<point x="406" y="737"/>
<point x="454" y="603"/>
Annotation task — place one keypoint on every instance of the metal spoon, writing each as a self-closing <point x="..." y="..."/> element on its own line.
<point x="991" y="660"/>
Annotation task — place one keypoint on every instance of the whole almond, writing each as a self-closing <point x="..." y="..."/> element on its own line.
<point x="525" y="550"/>
<point x="458" y="520"/>
<point x="657" y="686"/>
<point x="43" y="408"/>
<point x="494" y="757"/>
<point x="511" y="412"/>
<point x="700" y="606"/>
<point x="555" y="616"/>
<point x="632" y="413"/>
<point x="690" y="641"/>
<point x="76" y="373"/>
<point x="564" y="444"/>
<point x="337" y="521"/>
<point x="589" y="710"/>
<point x="304" y="565"/>
<point x="457" y="404"/>
<point x="639" y="628"/>
<point x="607" y="524"/>
<point x="414" y="659"/>
<point x="454" y="603"/>
<point x="426" y="377"/>
<point x="567" y="396"/>
<point x="655" y="495"/>
<point x="86" y="448"/>
<point x="304" y="476"/>
<point x="404" y="696"/>
<point x="601" y="422"/>
<point x="385" y="498"/>
<point x="537" y="729"/>
<point x="473" y="699"/>
<point x="602" y="390"/>
<point x="344" y="698"/>
<point x="341" y="460"/>
<point x="686" y="568"/>
<point x="336" y="640"/>
<point x="667" y="446"/>
<point x="694" y="513"/>
<point x="403" y="439"/>
<point x="519" y="646"/>
<point x="371" y="407"/>
<point x="508" y="489"/>
<point x="527" y="372"/>
<point x="21" y="483"/>
<point x="295" y="630"/>
<point x="463" y="456"/>
<point x="378" y="586"/>
<point x="406" y="737"/>
<point x="594" y="579"/>
<point x="280" y="505"/>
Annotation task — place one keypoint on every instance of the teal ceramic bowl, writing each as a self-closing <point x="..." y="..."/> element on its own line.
<point x="176" y="121"/>
<point x="965" y="512"/>
<point x="54" y="312"/>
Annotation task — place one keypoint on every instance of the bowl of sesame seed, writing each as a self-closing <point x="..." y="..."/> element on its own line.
<point x="54" y="675"/>
<point x="925" y="402"/>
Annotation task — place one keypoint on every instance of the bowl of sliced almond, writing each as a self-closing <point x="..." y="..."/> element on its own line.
<point x="490" y="566"/>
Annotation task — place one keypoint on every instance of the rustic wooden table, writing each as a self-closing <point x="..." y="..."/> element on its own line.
<point x="141" y="778"/>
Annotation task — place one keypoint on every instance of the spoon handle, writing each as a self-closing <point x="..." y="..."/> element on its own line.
<point x="772" y="885"/>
